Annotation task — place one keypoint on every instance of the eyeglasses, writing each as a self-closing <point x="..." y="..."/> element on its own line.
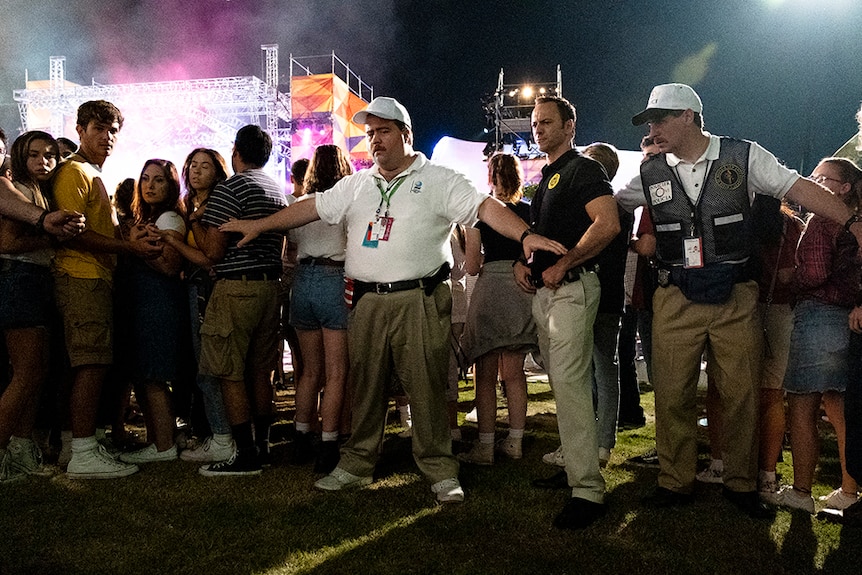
<point x="820" y="178"/>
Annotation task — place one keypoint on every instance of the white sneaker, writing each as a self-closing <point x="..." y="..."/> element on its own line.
<point x="8" y="474"/>
<point x="340" y="479"/>
<point x="448" y="491"/>
<point x="767" y="488"/>
<point x="26" y="457"/>
<point x="555" y="457"/>
<point x="209" y="451"/>
<point x="712" y="474"/>
<point x="472" y="417"/>
<point x="789" y="497"/>
<point x="149" y="454"/>
<point x="97" y="464"/>
<point x="838" y="499"/>
<point x="479" y="454"/>
<point x="510" y="447"/>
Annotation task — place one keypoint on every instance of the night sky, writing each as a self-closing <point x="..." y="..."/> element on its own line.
<point x="787" y="74"/>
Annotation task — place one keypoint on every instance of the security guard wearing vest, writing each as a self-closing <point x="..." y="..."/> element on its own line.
<point x="699" y="191"/>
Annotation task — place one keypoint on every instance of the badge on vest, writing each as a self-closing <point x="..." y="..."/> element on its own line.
<point x="660" y="193"/>
<point x="555" y="179"/>
<point x="728" y="176"/>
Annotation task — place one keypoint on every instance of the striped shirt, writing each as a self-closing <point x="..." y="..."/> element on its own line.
<point x="249" y="195"/>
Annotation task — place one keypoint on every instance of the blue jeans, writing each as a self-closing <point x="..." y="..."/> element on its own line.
<point x="209" y="385"/>
<point x="606" y="377"/>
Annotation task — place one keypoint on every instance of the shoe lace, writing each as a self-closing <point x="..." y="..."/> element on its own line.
<point x="226" y="463"/>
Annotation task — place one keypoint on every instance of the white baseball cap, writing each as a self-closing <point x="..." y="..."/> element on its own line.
<point x="386" y="108"/>
<point x="669" y="97"/>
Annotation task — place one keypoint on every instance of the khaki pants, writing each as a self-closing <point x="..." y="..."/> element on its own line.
<point x="565" y="318"/>
<point x="682" y="330"/>
<point x="405" y="334"/>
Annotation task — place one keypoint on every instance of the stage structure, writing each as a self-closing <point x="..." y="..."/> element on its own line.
<point x="324" y="95"/>
<point x="507" y="115"/>
<point x="169" y="119"/>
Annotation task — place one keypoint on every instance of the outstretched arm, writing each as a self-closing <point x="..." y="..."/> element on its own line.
<point x="14" y="205"/>
<point x="816" y="198"/>
<point x="494" y="213"/>
<point x="290" y="217"/>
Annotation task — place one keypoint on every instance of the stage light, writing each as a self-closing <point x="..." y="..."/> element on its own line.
<point x="527" y="92"/>
<point x="512" y="93"/>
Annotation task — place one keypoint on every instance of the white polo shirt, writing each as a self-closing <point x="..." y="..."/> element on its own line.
<point x="426" y="203"/>
<point x="765" y="175"/>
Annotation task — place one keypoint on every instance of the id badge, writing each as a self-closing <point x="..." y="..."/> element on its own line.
<point x="692" y="253"/>
<point x="370" y="238"/>
<point x="384" y="226"/>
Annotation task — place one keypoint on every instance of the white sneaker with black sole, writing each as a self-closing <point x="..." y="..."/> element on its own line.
<point x="96" y="463"/>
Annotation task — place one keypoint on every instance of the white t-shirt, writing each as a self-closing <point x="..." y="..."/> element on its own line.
<point x="765" y="175"/>
<point x="424" y="206"/>
<point x="319" y="239"/>
<point x="171" y="221"/>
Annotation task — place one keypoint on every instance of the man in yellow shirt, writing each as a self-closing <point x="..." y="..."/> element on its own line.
<point x="84" y="270"/>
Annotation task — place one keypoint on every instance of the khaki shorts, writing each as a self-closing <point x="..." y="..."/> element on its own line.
<point x="240" y="331"/>
<point x="779" y="325"/>
<point x="87" y="309"/>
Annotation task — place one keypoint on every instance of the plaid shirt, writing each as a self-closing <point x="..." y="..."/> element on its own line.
<point x="828" y="266"/>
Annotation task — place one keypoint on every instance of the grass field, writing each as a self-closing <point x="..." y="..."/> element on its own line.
<point x="168" y="519"/>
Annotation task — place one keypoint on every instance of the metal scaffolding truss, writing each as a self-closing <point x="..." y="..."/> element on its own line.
<point x="183" y="113"/>
<point x="247" y="95"/>
<point x="204" y="112"/>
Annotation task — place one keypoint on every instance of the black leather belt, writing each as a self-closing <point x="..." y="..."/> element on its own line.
<point x="572" y="275"/>
<point x="321" y="262"/>
<point x="426" y="283"/>
<point x="253" y="275"/>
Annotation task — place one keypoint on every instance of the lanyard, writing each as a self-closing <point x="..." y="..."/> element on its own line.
<point x="386" y="195"/>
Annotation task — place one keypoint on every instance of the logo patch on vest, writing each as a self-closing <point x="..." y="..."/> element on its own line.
<point x="555" y="179"/>
<point x="660" y="193"/>
<point x="728" y="176"/>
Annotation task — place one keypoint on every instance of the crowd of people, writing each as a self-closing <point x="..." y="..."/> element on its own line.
<point x="182" y="291"/>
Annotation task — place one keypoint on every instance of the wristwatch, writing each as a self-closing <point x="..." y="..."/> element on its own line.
<point x="526" y="233"/>
<point x="853" y="219"/>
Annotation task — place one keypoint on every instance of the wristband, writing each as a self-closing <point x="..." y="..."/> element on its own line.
<point x="526" y="233"/>
<point x="853" y="219"/>
<point x="40" y="223"/>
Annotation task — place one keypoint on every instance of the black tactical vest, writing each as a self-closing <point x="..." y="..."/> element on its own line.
<point x="721" y="217"/>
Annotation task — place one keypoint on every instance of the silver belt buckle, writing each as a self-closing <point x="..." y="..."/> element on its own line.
<point x="663" y="277"/>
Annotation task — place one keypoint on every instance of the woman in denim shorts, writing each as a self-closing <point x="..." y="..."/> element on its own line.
<point x="319" y="315"/>
<point x="827" y="279"/>
<point x="26" y="302"/>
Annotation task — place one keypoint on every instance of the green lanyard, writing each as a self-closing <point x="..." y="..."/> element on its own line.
<point x="387" y="194"/>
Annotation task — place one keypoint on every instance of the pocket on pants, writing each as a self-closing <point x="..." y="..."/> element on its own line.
<point x="216" y="346"/>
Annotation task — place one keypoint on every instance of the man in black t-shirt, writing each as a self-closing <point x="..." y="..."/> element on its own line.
<point x="574" y="205"/>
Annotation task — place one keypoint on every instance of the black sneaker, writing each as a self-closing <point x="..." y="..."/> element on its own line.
<point x="264" y="455"/>
<point x="327" y="459"/>
<point x="238" y="464"/>
<point x="303" y="449"/>
<point x="629" y="424"/>
<point x="648" y="459"/>
<point x="579" y="514"/>
<point x="663" y="498"/>
<point x="749" y="503"/>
